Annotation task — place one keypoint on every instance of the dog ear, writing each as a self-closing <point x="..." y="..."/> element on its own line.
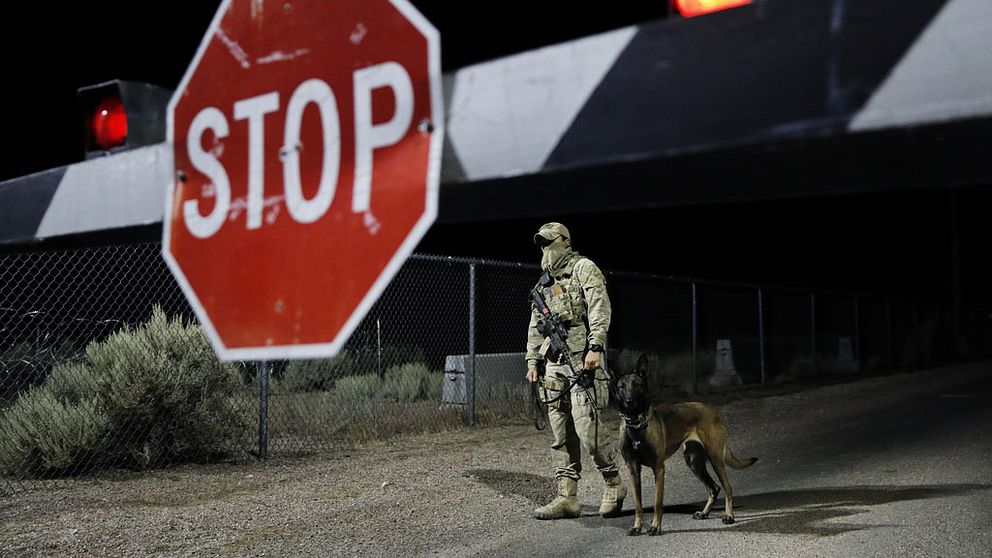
<point x="642" y="365"/>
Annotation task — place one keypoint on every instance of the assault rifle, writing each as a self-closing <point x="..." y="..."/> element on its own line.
<point x="555" y="330"/>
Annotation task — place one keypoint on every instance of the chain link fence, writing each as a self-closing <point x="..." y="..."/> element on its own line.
<point x="102" y="364"/>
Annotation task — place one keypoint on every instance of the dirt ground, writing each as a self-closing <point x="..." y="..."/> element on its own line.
<point x="421" y="495"/>
<point x="398" y="498"/>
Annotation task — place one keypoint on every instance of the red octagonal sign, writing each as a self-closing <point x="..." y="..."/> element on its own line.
<point x="306" y="138"/>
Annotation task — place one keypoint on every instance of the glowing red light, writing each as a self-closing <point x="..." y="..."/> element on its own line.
<point x="692" y="8"/>
<point x="109" y="123"/>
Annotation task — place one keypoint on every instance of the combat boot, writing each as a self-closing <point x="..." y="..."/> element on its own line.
<point x="564" y="505"/>
<point x="613" y="496"/>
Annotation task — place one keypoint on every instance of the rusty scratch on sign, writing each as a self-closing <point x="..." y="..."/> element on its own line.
<point x="280" y="56"/>
<point x="234" y="48"/>
<point x="359" y="33"/>
<point x="271" y="204"/>
<point x="217" y="150"/>
<point x="256" y="8"/>
<point x="371" y="223"/>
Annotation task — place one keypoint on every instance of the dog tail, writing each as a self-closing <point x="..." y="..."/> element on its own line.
<point x="730" y="459"/>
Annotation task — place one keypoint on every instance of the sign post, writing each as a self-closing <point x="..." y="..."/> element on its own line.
<point x="306" y="138"/>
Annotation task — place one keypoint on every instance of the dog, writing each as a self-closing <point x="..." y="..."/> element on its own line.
<point x="651" y="432"/>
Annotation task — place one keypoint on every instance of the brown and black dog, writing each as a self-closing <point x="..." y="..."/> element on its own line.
<point x="651" y="432"/>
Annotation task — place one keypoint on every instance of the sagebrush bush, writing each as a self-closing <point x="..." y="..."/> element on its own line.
<point x="360" y="387"/>
<point x="42" y="434"/>
<point x="70" y="381"/>
<point x="154" y="394"/>
<point x="406" y="382"/>
<point x="410" y="382"/>
<point x="370" y="359"/>
<point x="317" y="375"/>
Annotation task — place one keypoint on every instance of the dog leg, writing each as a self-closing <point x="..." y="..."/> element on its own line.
<point x="728" y="491"/>
<point x="695" y="458"/>
<point x="659" y="498"/>
<point x="635" y="485"/>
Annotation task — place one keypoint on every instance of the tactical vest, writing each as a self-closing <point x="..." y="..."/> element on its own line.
<point x="566" y="299"/>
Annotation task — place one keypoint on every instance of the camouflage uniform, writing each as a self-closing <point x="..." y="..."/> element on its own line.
<point x="579" y="296"/>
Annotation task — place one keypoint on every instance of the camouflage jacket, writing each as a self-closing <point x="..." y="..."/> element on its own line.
<point x="578" y="296"/>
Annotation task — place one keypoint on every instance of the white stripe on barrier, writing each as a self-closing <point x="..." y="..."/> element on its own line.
<point x="506" y="116"/>
<point x="122" y="190"/>
<point x="947" y="74"/>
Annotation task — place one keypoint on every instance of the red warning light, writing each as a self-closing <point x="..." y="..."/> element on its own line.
<point x="692" y="8"/>
<point x="109" y="123"/>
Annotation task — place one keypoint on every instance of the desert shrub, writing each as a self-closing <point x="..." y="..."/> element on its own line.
<point x="307" y="416"/>
<point x="316" y="375"/>
<point x="41" y="433"/>
<point x="495" y="391"/>
<point x="369" y="360"/>
<point x="411" y="382"/>
<point x="361" y="387"/>
<point x="397" y="355"/>
<point x="70" y="382"/>
<point x="154" y="394"/>
<point x="406" y="382"/>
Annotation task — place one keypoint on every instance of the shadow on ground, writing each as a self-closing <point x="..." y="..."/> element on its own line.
<point x="804" y="511"/>
<point x="536" y="488"/>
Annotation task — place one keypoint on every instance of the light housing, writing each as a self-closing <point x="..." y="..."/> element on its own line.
<point x="693" y="8"/>
<point x="119" y="115"/>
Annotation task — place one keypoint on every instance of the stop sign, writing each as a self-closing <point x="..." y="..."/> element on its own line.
<point x="306" y="138"/>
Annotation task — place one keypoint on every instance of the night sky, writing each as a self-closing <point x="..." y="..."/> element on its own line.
<point x="74" y="44"/>
<point x="880" y="243"/>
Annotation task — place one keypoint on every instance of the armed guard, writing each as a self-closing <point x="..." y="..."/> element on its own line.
<point x="572" y="373"/>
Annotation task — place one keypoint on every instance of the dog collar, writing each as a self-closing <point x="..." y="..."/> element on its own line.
<point x="638" y="422"/>
<point x="635" y="427"/>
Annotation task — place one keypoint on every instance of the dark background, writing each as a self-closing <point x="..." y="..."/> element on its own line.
<point x="50" y="50"/>
<point x="900" y="243"/>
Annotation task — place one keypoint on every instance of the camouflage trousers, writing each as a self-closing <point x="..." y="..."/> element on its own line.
<point x="575" y="424"/>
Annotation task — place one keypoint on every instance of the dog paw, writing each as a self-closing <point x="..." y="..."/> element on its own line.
<point x="728" y="520"/>
<point x="700" y="515"/>
<point x="654" y="531"/>
<point x="634" y="531"/>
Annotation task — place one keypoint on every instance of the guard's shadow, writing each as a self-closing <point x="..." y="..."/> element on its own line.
<point x="802" y="511"/>
<point x="535" y="488"/>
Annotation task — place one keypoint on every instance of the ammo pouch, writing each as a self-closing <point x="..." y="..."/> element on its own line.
<point x="564" y="298"/>
<point x="553" y="387"/>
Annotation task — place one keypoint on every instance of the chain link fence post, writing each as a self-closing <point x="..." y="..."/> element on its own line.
<point x="857" y="332"/>
<point x="263" y="409"/>
<point x="695" y="339"/>
<point x="470" y="375"/>
<point x="812" y="333"/>
<point x="761" y="334"/>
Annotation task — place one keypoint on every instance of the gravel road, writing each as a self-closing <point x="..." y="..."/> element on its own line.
<point x="882" y="466"/>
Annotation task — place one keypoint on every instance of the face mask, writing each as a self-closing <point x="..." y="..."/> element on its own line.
<point x="554" y="256"/>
